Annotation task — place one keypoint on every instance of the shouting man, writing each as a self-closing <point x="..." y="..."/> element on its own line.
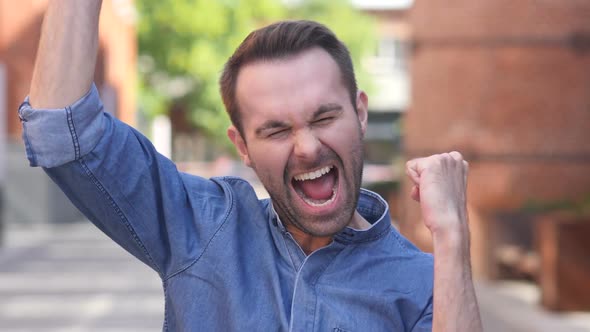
<point x="319" y="255"/>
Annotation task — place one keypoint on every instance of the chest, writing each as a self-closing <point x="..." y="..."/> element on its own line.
<point x="253" y="280"/>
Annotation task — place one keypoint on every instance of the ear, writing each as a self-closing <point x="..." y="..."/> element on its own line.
<point x="234" y="135"/>
<point x="362" y="109"/>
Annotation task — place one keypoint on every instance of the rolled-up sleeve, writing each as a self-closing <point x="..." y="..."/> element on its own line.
<point x="115" y="176"/>
<point x="54" y="137"/>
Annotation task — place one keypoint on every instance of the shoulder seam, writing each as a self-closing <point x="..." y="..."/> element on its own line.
<point x="398" y="240"/>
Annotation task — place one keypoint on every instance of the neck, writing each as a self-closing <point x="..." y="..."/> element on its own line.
<point x="358" y="222"/>
<point x="310" y="243"/>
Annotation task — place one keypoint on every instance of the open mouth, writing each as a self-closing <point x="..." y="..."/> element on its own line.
<point x="317" y="188"/>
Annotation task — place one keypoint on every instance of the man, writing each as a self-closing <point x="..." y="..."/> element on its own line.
<point x="319" y="255"/>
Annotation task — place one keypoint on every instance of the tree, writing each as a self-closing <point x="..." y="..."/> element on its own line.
<point x="183" y="45"/>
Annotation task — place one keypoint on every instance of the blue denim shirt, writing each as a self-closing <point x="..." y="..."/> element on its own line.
<point x="225" y="260"/>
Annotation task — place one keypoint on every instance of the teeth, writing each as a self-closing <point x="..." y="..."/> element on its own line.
<point x="313" y="175"/>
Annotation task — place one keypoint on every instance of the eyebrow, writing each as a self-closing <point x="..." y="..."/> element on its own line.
<point x="327" y="108"/>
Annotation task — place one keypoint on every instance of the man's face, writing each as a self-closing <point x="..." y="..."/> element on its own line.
<point x="303" y="139"/>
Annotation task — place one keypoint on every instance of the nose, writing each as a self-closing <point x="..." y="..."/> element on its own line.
<point x="307" y="145"/>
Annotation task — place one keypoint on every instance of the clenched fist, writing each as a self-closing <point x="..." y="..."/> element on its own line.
<point x="440" y="183"/>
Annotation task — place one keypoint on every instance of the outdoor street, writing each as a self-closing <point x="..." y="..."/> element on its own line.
<point x="71" y="277"/>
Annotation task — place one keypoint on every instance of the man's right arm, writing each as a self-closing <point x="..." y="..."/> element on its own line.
<point x="110" y="171"/>
<point x="67" y="53"/>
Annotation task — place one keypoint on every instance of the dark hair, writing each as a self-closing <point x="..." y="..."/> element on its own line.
<point x="280" y="40"/>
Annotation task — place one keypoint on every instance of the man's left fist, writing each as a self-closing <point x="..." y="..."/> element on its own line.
<point x="440" y="183"/>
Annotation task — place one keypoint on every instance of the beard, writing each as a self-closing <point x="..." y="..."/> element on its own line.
<point x="284" y="197"/>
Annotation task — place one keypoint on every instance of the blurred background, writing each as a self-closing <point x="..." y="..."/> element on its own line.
<point x="507" y="83"/>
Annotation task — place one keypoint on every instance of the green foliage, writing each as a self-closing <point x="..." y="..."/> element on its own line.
<point x="183" y="45"/>
<point x="356" y="30"/>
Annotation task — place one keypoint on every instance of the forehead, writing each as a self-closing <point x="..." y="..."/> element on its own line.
<point x="289" y="88"/>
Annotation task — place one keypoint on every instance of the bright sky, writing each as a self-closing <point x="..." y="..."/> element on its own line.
<point x="382" y="4"/>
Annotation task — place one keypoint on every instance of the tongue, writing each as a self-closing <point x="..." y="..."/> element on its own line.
<point x="320" y="188"/>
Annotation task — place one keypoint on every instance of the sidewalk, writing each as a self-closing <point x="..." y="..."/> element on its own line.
<point x="512" y="306"/>
<point x="71" y="277"/>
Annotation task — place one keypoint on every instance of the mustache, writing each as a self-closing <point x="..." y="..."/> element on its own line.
<point x="325" y="156"/>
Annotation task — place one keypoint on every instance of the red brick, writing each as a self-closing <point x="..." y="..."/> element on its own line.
<point x="519" y="111"/>
<point x="20" y="28"/>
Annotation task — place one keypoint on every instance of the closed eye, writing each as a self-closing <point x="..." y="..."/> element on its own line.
<point x="278" y="133"/>
<point x="326" y="114"/>
<point x="323" y="121"/>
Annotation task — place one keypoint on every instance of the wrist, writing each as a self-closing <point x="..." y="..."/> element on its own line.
<point x="454" y="237"/>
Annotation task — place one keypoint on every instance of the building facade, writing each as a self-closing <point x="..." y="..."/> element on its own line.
<point x="20" y="29"/>
<point x="506" y="83"/>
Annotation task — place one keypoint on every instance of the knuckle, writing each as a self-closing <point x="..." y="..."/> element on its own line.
<point x="456" y="155"/>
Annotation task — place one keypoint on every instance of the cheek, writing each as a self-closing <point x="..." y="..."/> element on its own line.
<point x="344" y="137"/>
<point x="269" y="160"/>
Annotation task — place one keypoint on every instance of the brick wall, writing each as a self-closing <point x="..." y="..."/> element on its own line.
<point x="20" y="27"/>
<point x="507" y="83"/>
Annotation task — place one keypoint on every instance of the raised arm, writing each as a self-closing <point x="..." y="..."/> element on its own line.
<point x="110" y="171"/>
<point x="67" y="52"/>
<point x="440" y="187"/>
